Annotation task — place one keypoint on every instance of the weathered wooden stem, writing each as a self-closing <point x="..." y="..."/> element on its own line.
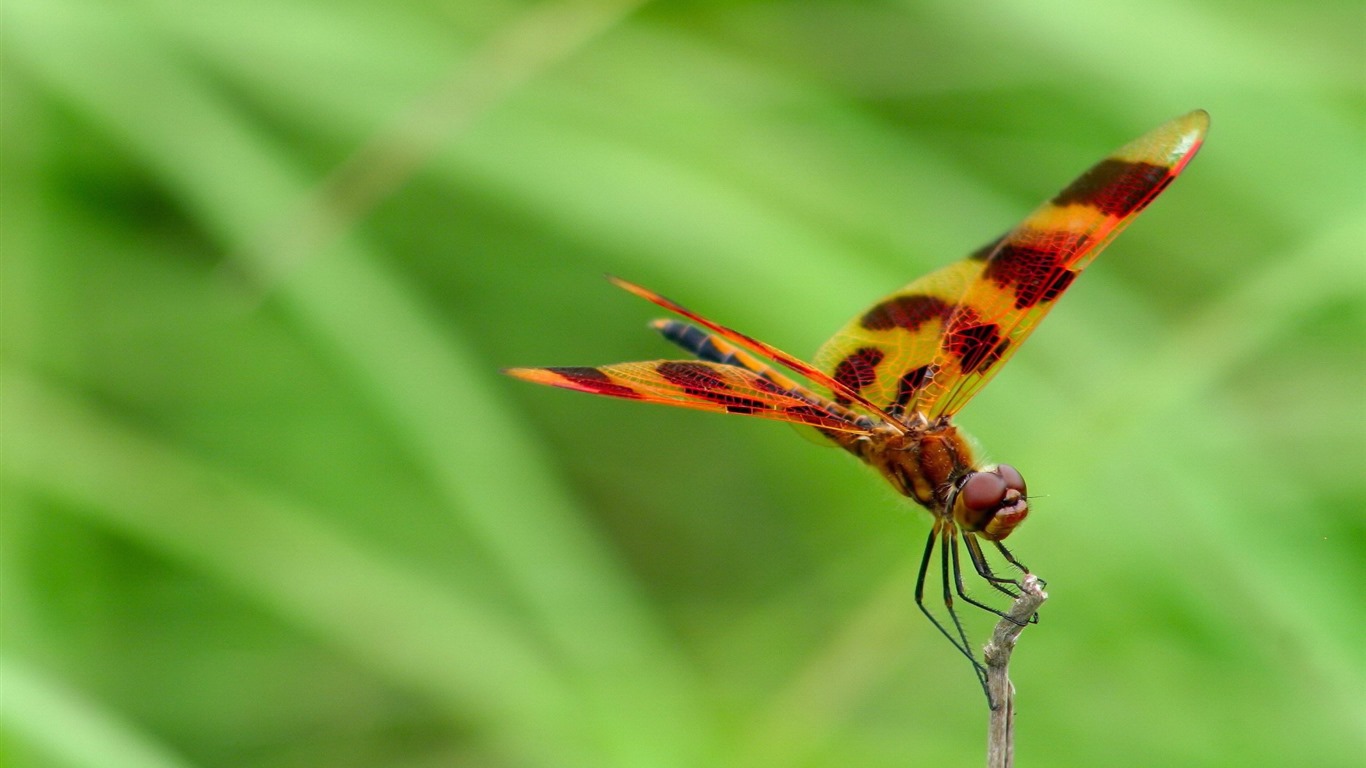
<point x="1001" y="729"/>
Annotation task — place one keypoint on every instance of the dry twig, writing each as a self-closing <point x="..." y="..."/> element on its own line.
<point x="1001" y="729"/>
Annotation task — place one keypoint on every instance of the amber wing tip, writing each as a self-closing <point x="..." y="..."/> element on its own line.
<point x="1195" y="120"/>
<point x="1191" y="127"/>
<point x="1171" y="144"/>
<point x="620" y="282"/>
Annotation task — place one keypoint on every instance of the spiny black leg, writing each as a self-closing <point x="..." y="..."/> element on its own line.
<point x="958" y="576"/>
<point x="1011" y="559"/>
<point x="945" y="548"/>
<point x="980" y="560"/>
<point x="920" y="602"/>
<point x="983" y="568"/>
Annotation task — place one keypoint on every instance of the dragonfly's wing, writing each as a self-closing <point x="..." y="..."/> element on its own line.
<point x="701" y="385"/>
<point x="1028" y="269"/>
<point x="932" y="345"/>
<point x="885" y="353"/>
<point x="812" y="373"/>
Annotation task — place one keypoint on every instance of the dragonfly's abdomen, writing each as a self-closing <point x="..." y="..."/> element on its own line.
<point x="713" y="349"/>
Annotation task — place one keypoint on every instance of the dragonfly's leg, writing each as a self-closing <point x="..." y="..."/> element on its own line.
<point x="979" y="561"/>
<point x="983" y="568"/>
<point x="948" y="552"/>
<point x="960" y="641"/>
<point x="975" y="552"/>
<point x="1011" y="559"/>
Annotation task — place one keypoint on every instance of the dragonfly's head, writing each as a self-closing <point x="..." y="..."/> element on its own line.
<point x="990" y="502"/>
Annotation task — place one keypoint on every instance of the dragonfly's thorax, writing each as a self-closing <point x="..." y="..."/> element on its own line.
<point x="923" y="463"/>
<point x="934" y="464"/>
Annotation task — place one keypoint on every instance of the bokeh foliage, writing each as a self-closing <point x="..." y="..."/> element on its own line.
<point x="267" y="501"/>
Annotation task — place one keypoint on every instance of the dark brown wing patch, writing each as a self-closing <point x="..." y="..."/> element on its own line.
<point x="1116" y="187"/>
<point x="859" y="369"/>
<point x="1036" y="272"/>
<point x="907" y="312"/>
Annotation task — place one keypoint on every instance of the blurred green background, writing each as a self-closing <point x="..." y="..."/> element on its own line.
<point x="268" y="502"/>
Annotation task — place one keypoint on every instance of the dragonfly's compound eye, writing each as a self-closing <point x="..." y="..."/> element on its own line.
<point x="991" y="503"/>
<point x="983" y="491"/>
<point x="1012" y="477"/>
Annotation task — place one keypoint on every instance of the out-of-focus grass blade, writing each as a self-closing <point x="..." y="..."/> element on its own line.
<point x="635" y="692"/>
<point x="422" y="636"/>
<point x="1178" y="384"/>
<point x="67" y="728"/>
<point x="1179" y="35"/>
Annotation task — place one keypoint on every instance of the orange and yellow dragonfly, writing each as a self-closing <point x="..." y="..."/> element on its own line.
<point x="886" y="386"/>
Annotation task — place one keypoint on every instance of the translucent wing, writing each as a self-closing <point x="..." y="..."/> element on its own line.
<point x="701" y="385"/>
<point x="931" y="346"/>
<point x="885" y="353"/>
<point x="815" y="375"/>
<point x="1028" y="269"/>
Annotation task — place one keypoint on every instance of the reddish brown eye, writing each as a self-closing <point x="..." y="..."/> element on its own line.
<point x="1012" y="477"/>
<point x="983" y="491"/>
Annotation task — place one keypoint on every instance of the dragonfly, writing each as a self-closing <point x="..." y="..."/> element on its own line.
<point x="887" y="385"/>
